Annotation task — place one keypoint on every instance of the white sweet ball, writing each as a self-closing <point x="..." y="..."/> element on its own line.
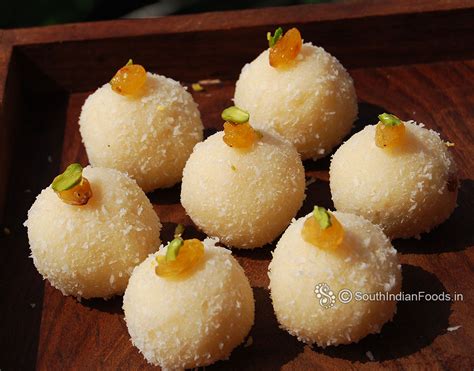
<point x="194" y="321"/>
<point x="404" y="190"/>
<point x="365" y="262"/>
<point x="246" y="198"/>
<point x="90" y="251"/>
<point x="312" y="104"/>
<point x="149" y="137"/>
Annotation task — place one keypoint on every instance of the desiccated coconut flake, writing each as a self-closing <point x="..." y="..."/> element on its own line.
<point x="370" y="356"/>
<point x="453" y="328"/>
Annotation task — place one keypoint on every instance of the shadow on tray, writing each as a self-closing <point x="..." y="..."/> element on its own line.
<point x="166" y="196"/>
<point x="270" y="346"/>
<point x="415" y="326"/>
<point x="453" y="235"/>
<point x="112" y="305"/>
<point x="317" y="193"/>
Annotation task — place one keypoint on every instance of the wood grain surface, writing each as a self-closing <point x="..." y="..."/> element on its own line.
<point x="43" y="329"/>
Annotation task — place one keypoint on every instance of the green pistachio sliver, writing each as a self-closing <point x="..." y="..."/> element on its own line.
<point x="173" y="249"/>
<point x="272" y="40"/>
<point x="179" y="230"/>
<point x="322" y="217"/>
<point x="236" y="115"/>
<point x="71" y="177"/>
<point x="389" y="120"/>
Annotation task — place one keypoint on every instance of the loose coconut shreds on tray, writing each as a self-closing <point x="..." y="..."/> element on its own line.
<point x="404" y="190"/>
<point x="79" y="248"/>
<point x="312" y="104"/>
<point x="149" y="137"/>
<point x="360" y="264"/>
<point x="249" y="204"/>
<point x="192" y="322"/>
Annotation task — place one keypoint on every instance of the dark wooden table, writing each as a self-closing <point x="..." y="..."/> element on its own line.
<point x="414" y="59"/>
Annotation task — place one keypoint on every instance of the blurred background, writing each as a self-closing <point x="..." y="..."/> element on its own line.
<point x="28" y="13"/>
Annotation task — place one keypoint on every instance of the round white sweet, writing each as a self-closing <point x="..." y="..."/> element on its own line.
<point x="312" y="104"/>
<point x="365" y="262"/>
<point x="90" y="251"/>
<point x="404" y="189"/>
<point x="150" y="137"/>
<point x="246" y="198"/>
<point x="194" y="321"/>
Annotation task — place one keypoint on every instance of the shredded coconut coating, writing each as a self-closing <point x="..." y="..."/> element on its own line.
<point x="192" y="322"/>
<point x="404" y="190"/>
<point x="245" y="198"/>
<point x="365" y="262"/>
<point x="312" y="104"/>
<point x="90" y="251"/>
<point x="149" y="137"/>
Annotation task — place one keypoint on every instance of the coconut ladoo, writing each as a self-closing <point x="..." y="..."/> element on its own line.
<point x="89" y="229"/>
<point x="188" y="305"/>
<point x="404" y="176"/>
<point x="300" y="92"/>
<point x="241" y="186"/>
<point x="319" y="265"/>
<point x="143" y="124"/>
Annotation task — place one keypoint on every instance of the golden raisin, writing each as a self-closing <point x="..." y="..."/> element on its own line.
<point x="389" y="136"/>
<point x="129" y="80"/>
<point x="77" y="195"/>
<point x="283" y="53"/>
<point x="190" y="254"/>
<point x="239" y="135"/>
<point x="328" y="239"/>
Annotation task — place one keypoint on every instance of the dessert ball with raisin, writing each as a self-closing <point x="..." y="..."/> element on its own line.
<point x="191" y="311"/>
<point x="407" y="186"/>
<point x="148" y="131"/>
<point x="244" y="196"/>
<point x="319" y="274"/>
<point x="307" y="97"/>
<point x="86" y="240"/>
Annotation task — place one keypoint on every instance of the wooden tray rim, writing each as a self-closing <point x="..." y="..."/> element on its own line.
<point x="224" y="20"/>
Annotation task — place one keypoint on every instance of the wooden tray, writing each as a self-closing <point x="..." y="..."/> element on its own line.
<point x="414" y="59"/>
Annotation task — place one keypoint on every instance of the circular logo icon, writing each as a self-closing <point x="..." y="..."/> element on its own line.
<point x="326" y="296"/>
<point x="345" y="296"/>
